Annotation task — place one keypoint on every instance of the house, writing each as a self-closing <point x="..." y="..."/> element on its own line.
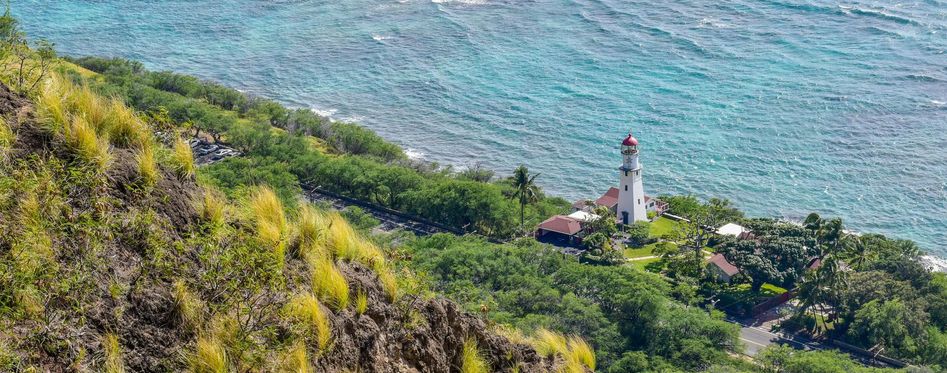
<point x="560" y="228"/>
<point x="722" y="269"/>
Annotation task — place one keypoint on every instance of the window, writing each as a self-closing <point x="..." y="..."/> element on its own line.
<point x="626" y="187"/>
<point x="626" y="173"/>
<point x="639" y="200"/>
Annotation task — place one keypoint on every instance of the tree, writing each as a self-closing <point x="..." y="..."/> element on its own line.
<point x="858" y="252"/>
<point x="639" y="233"/>
<point x="776" y="260"/>
<point x="524" y="190"/>
<point x="702" y="220"/>
<point x="820" y="286"/>
<point x="891" y="325"/>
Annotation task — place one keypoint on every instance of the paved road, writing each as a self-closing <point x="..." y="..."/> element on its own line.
<point x="389" y="222"/>
<point x="756" y="338"/>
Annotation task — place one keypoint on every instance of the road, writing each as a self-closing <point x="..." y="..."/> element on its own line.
<point x="757" y="338"/>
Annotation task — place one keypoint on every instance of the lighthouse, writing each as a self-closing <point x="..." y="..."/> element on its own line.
<point x="631" y="197"/>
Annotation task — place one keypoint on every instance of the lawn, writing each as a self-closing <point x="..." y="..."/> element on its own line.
<point x="662" y="226"/>
<point x="650" y="264"/>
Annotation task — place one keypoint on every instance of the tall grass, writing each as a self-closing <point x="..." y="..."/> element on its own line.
<point x="6" y="135"/>
<point x="147" y="166"/>
<point x="329" y="284"/>
<point x="51" y="107"/>
<point x="311" y="232"/>
<point x="124" y="127"/>
<point x="188" y="307"/>
<point x="577" y="353"/>
<point x="580" y="351"/>
<point x="549" y="343"/>
<point x="271" y="224"/>
<point x="343" y="240"/>
<point x="86" y="144"/>
<point x="388" y="282"/>
<point x="212" y="208"/>
<point x="90" y="106"/>
<point x="113" y="354"/>
<point x="296" y="360"/>
<point x="305" y="309"/>
<point x="361" y="302"/>
<point x="471" y="359"/>
<point x="209" y="356"/>
<point x="182" y="159"/>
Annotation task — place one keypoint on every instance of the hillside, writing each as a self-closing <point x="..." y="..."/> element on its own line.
<point x="113" y="258"/>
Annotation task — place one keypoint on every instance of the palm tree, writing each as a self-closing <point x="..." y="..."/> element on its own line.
<point x="524" y="189"/>
<point x="859" y="252"/>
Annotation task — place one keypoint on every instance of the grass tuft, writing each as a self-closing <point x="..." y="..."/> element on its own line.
<point x="471" y="358"/>
<point x="88" y="147"/>
<point x="549" y="343"/>
<point x="212" y="208"/>
<point x="361" y="302"/>
<point x="147" y="167"/>
<point x="7" y="136"/>
<point x="187" y="306"/>
<point x="90" y="106"/>
<point x="305" y="309"/>
<point x="270" y="219"/>
<point x="182" y="159"/>
<point x="113" y="354"/>
<point x="580" y="351"/>
<point x="296" y="360"/>
<point x="124" y="127"/>
<point x="50" y="106"/>
<point x="343" y="240"/>
<point x="389" y="282"/>
<point x="329" y="284"/>
<point x="311" y="232"/>
<point x="209" y="357"/>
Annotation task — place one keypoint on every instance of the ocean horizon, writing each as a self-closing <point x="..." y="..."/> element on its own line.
<point x="785" y="107"/>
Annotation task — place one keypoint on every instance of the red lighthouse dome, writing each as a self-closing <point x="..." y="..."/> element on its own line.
<point x="630" y="140"/>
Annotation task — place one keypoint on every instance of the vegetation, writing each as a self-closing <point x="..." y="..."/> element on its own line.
<point x="471" y="359"/>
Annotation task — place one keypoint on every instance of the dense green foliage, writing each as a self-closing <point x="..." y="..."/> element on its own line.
<point x="617" y="309"/>
<point x="285" y="144"/>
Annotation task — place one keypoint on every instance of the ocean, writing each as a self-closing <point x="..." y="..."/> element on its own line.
<point x="783" y="106"/>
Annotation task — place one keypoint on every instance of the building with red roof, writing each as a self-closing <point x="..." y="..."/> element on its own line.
<point x="722" y="269"/>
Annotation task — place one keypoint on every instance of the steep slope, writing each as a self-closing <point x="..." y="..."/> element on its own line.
<point x="113" y="258"/>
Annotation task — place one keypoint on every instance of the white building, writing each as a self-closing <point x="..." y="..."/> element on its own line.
<point x="631" y="197"/>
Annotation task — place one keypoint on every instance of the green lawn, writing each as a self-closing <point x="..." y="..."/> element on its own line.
<point x="650" y="265"/>
<point x="662" y="226"/>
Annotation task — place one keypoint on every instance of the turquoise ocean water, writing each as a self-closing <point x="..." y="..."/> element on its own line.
<point x="783" y="106"/>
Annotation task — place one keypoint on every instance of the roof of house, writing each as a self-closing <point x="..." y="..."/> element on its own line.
<point x="561" y="224"/>
<point x="583" y="217"/>
<point x="630" y="140"/>
<point x="609" y="199"/>
<point x="731" y="229"/>
<point x="721" y="262"/>
<point x="581" y="204"/>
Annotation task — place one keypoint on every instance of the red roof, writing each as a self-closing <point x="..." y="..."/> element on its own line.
<point x="609" y="199"/>
<point x="561" y="224"/>
<point x="630" y="140"/>
<point x="721" y="262"/>
<point x="580" y="204"/>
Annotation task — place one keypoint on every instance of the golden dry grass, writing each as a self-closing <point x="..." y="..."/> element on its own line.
<point x="209" y="356"/>
<point x="311" y="232"/>
<point x="329" y="284"/>
<point x="388" y="282"/>
<point x="147" y="166"/>
<point x="113" y="354"/>
<point x="270" y="219"/>
<point x="471" y="358"/>
<point x="86" y="144"/>
<point x="549" y="343"/>
<point x="182" y="159"/>
<point x="90" y="106"/>
<point x="124" y="127"/>
<point x="296" y="360"/>
<point x="213" y="207"/>
<point x="188" y="306"/>
<point x="305" y="309"/>
<point x="343" y="240"/>
<point x="51" y="107"/>
<point x="581" y="352"/>
<point x="361" y="302"/>
<point x="7" y="136"/>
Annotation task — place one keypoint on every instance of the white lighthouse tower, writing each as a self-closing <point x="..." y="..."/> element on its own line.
<point x="631" y="199"/>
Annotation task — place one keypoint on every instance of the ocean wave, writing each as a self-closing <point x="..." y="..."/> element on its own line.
<point x="414" y="154"/>
<point x="380" y="38"/>
<point x="934" y="263"/>
<point x="464" y="2"/>
<point x="880" y="14"/>
<point x="327" y="113"/>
